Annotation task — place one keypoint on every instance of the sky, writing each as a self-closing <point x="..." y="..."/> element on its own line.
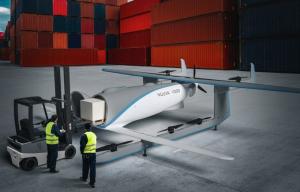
<point x="4" y="13"/>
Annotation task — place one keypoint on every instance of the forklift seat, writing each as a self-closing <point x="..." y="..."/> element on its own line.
<point x="28" y="131"/>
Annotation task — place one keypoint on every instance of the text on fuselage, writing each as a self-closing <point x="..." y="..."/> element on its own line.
<point x="165" y="93"/>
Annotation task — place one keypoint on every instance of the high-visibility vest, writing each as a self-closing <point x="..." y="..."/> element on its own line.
<point x="90" y="147"/>
<point x="51" y="139"/>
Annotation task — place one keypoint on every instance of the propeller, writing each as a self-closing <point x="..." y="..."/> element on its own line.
<point x="112" y="147"/>
<point x="198" y="86"/>
<point x="201" y="88"/>
<point x="237" y="78"/>
<point x="171" y="129"/>
<point x="198" y="121"/>
<point x="167" y="72"/>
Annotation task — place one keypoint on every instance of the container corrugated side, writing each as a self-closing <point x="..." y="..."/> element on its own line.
<point x="178" y="9"/>
<point x="214" y="55"/>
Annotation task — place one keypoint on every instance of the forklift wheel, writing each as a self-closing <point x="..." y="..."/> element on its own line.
<point x="70" y="152"/>
<point x="28" y="164"/>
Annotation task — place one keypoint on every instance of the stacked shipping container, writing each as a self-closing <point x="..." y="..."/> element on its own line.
<point x="270" y="35"/>
<point x="53" y="28"/>
<point x="200" y="31"/>
<point x="135" y="25"/>
<point x="4" y="50"/>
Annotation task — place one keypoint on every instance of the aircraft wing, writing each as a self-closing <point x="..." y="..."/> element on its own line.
<point x="169" y="143"/>
<point x="221" y="83"/>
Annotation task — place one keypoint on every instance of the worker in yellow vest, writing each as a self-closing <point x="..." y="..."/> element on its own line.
<point x="52" y="140"/>
<point x="88" y="143"/>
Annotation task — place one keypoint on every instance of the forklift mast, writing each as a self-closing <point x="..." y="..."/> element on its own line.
<point x="63" y="104"/>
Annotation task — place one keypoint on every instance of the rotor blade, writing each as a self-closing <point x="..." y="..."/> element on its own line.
<point x="167" y="71"/>
<point x="198" y="120"/>
<point x="237" y="78"/>
<point x="124" y="143"/>
<point x="202" y="89"/>
<point x="171" y="127"/>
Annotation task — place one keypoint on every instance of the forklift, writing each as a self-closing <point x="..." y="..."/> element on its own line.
<point x="28" y="149"/>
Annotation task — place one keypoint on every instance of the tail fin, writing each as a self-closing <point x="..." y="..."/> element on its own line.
<point x="183" y="67"/>
<point x="252" y="73"/>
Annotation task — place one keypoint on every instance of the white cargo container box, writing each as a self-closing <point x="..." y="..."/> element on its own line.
<point x="92" y="109"/>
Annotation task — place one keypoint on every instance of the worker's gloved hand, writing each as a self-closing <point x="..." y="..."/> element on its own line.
<point x="62" y="131"/>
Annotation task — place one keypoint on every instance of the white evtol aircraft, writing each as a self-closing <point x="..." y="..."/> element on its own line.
<point x="114" y="108"/>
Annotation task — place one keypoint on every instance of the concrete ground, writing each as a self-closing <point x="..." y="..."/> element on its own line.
<point x="263" y="134"/>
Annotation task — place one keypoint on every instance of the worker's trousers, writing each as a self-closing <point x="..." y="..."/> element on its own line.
<point x="52" y="156"/>
<point x="89" y="165"/>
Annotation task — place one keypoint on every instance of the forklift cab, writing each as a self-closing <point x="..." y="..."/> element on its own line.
<point x="27" y="128"/>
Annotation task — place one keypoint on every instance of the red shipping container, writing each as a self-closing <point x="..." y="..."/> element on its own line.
<point x="136" y="23"/>
<point x="51" y="57"/>
<point x="45" y="23"/>
<point x="87" y="25"/>
<point x="4" y="54"/>
<point x="12" y="57"/>
<point x="101" y="57"/>
<point x="112" y="12"/>
<point x="214" y="55"/>
<point x="100" y="41"/>
<point x="45" y="40"/>
<point x="60" y="40"/>
<point x="212" y="27"/>
<point x="12" y="6"/>
<point x="60" y="7"/>
<point x="27" y="40"/>
<point x="87" y="10"/>
<point x="135" y="39"/>
<point x="133" y="56"/>
<point x="27" y="22"/>
<point x="178" y="9"/>
<point x="12" y="31"/>
<point x="107" y="2"/>
<point x="112" y="27"/>
<point x="87" y="41"/>
<point x="137" y="7"/>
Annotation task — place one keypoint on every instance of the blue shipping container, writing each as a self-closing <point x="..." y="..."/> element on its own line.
<point x="26" y="6"/>
<point x="112" y="41"/>
<point x="271" y="55"/>
<point x="59" y="24"/>
<point x="74" y="40"/>
<point x="73" y="25"/>
<point x="45" y="7"/>
<point x="278" y="19"/>
<point x="99" y="10"/>
<point x="73" y="8"/>
<point x="245" y="3"/>
<point x="99" y="26"/>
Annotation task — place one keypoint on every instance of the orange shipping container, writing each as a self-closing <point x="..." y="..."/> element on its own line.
<point x="178" y="9"/>
<point x="60" y="40"/>
<point x="101" y="56"/>
<point x="87" y="41"/>
<point x="112" y="12"/>
<point x="45" y="23"/>
<point x="27" y="22"/>
<point x="215" y="55"/>
<point x="87" y="10"/>
<point x="112" y="27"/>
<point x="212" y="27"/>
<point x="136" y="23"/>
<point x="51" y="57"/>
<point x="27" y="40"/>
